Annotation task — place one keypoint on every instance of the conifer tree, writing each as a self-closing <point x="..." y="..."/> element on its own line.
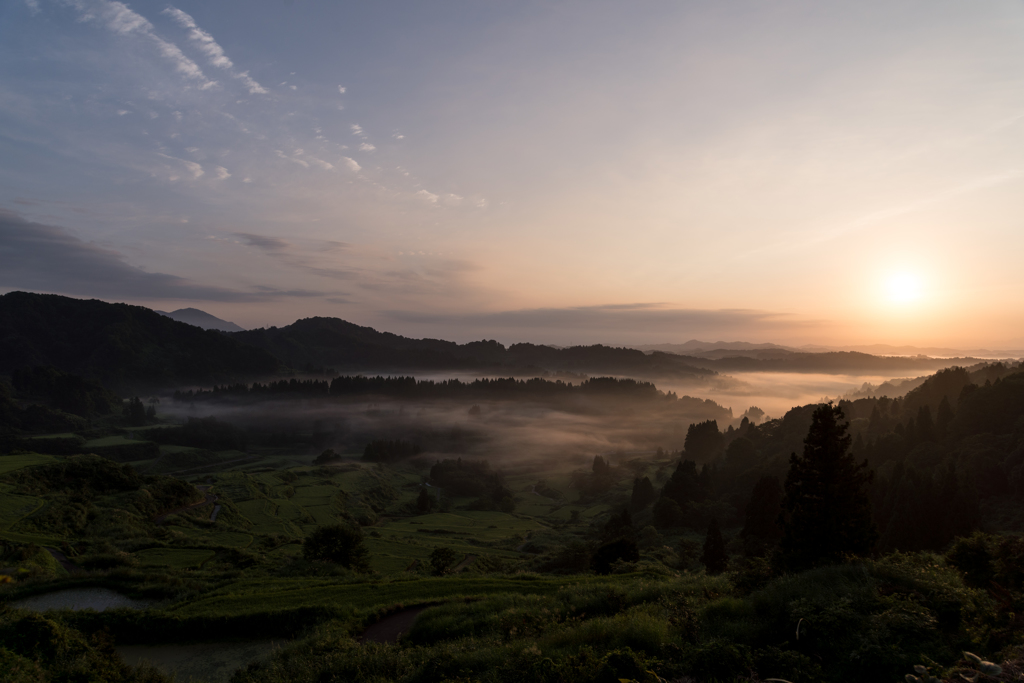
<point x="762" y="530"/>
<point x="643" y="493"/>
<point x="943" y="418"/>
<point x="714" y="558"/>
<point x="826" y="511"/>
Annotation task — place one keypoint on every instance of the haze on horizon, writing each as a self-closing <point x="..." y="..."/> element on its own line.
<point x="567" y="172"/>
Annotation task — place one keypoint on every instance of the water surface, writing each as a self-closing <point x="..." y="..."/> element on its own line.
<point x="76" y="599"/>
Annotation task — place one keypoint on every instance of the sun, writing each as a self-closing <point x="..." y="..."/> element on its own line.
<point x="903" y="288"/>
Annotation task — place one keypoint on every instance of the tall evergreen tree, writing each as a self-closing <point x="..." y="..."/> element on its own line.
<point x="643" y="493"/>
<point x="714" y="558"/>
<point x="826" y="511"/>
<point x="925" y="425"/>
<point x="703" y="440"/>
<point x="762" y="530"/>
<point x="943" y="418"/>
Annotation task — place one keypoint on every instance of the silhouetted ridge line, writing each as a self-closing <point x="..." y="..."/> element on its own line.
<point x="127" y="348"/>
<point x="335" y="343"/>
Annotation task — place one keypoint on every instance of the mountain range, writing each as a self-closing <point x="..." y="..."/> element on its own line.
<point x="132" y="348"/>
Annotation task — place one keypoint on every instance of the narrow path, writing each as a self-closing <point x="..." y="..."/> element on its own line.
<point x="390" y="628"/>
<point x="210" y="498"/>
<point x="63" y="560"/>
<point x="213" y="515"/>
<point x="470" y="559"/>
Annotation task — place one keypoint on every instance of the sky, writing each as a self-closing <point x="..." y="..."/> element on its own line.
<point x="555" y="172"/>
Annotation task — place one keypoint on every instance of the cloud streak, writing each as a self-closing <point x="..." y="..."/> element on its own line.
<point x="47" y="258"/>
<point x="123" y="21"/>
<point x="205" y="43"/>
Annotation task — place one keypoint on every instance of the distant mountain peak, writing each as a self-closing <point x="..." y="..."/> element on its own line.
<point x="194" y="316"/>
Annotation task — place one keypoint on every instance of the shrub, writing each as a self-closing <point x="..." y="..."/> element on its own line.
<point x="442" y="560"/>
<point x="338" y="544"/>
<point x="605" y="556"/>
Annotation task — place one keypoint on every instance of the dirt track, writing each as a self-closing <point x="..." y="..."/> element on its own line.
<point x="390" y="628"/>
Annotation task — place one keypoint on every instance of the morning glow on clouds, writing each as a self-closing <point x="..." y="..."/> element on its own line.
<point x="786" y="172"/>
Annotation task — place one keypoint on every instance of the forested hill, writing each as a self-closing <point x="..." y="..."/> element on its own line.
<point x="335" y="343"/>
<point x="127" y="348"/>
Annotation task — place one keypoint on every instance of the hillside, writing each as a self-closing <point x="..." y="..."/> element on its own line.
<point x="194" y="316"/>
<point x="127" y="348"/>
<point x="331" y="342"/>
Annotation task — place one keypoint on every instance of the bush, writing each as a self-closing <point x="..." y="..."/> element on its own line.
<point x="337" y="544"/>
<point x="442" y="560"/>
<point x="606" y="555"/>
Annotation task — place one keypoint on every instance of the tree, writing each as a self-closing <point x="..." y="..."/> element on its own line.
<point x="327" y="457"/>
<point x="425" y="501"/>
<point x="741" y="454"/>
<point x="619" y="526"/>
<point x="339" y="544"/>
<point x="667" y="513"/>
<point x="442" y="560"/>
<point x="761" y="530"/>
<point x="826" y="512"/>
<point x="134" y="412"/>
<point x="943" y="418"/>
<point x="643" y="493"/>
<point x="703" y="440"/>
<point x="605" y="556"/>
<point x="714" y="558"/>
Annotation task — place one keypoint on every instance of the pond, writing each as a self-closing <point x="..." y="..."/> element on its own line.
<point x="98" y="599"/>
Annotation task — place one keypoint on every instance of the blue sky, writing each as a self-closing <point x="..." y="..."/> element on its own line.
<point x="559" y="171"/>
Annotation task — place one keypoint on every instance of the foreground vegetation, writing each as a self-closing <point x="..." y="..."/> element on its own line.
<point x="709" y="563"/>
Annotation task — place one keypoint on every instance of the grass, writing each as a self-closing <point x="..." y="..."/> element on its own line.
<point x="14" y="508"/>
<point x="112" y="441"/>
<point x="252" y="596"/>
<point x="177" y="558"/>
<point x="10" y="463"/>
<point x="484" y="526"/>
<point x="263" y="514"/>
<point x="214" y="536"/>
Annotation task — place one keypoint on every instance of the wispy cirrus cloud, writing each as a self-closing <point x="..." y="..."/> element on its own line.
<point x="195" y="169"/>
<point x="122" y="20"/>
<point x="205" y="43"/>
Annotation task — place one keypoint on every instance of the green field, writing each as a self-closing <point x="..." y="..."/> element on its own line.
<point x="251" y="597"/>
<point x="9" y="463"/>
<point x="176" y="558"/>
<point x="112" y="441"/>
<point x="228" y="539"/>
<point x="14" y="508"/>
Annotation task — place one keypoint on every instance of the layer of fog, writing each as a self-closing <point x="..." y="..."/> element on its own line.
<point x="511" y="431"/>
<point x="522" y="432"/>
<point x="777" y="392"/>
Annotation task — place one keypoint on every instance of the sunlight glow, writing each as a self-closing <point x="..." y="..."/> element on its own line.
<point x="903" y="288"/>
